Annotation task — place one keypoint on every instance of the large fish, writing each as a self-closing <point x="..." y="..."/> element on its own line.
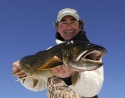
<point x="76" y="55"/>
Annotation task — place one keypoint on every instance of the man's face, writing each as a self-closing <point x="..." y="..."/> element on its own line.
<point x="68" y="27"/>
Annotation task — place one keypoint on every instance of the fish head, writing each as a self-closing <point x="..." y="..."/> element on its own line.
<point x="84" y="56"/>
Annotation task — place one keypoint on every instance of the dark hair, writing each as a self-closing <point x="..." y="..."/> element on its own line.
<point x="81" y="24"/>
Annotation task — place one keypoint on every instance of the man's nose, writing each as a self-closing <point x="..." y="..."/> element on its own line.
<point x="69" y="25"/>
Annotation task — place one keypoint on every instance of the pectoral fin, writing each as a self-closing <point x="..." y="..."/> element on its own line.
<point x="52" y="63"/>
<point x="75" y="77"/>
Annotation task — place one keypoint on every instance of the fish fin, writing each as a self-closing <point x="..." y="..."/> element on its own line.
<point x="75" y="77"/>
<point x="35" y="82"/>
<point x="23" y="79"/>
<point x="17" y="72"/>
<point x="52" y="63"/>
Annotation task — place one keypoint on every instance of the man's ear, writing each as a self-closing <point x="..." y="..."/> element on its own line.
<point x="56" y="26"/>
<point x="80" y="27"/>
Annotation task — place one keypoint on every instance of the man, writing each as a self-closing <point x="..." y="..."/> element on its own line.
<point x="69" y="26"/>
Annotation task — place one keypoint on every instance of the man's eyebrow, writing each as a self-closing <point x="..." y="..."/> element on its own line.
<point x="62" y="20"/>
<point x="73" y="19"/>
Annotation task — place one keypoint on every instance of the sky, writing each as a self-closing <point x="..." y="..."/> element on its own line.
<point x="26" y="27"/>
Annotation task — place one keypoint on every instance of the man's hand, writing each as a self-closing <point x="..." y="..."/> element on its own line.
<point x="62" y="71"/>
<point x="15" y="67"/>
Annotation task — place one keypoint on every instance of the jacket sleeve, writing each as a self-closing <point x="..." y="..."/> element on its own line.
<point x="28" y="83"/>
<point x="90" y="83"/>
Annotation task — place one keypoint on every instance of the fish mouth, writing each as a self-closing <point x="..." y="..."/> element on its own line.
<point x="91" y="56"/>
<point x="88" y="60"/>
<point x="94" y="56"/>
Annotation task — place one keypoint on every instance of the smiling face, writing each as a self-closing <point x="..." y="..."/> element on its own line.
<point x="68" y="27"/>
